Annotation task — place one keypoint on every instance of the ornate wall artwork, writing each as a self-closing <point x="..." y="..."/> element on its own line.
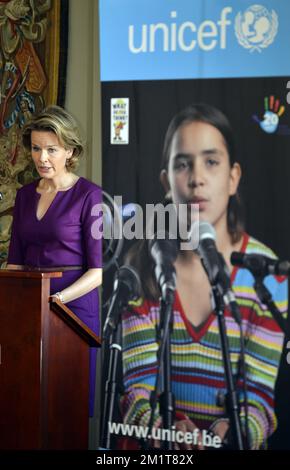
<point x="33" y="50"/>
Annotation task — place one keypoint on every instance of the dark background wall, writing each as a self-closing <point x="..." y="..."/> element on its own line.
<point x="133" y="170"/>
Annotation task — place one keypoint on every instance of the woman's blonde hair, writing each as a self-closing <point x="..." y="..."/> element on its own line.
<point x="57" y="120"/>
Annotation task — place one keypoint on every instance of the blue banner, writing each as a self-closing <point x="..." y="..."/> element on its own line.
<point x="177" y="39"/>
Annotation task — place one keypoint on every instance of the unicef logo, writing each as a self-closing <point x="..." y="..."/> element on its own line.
<point x="256" y="28"/>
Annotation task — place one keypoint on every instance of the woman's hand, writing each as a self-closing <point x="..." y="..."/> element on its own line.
<point x="57" y="296"/>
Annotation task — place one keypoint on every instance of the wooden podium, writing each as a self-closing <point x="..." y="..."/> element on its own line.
<point x="44" y="366"/>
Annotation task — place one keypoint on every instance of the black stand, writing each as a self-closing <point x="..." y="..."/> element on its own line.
<point x="126" y="287"/>
<point x="166" y="399"/>
<point x="232" y="406"/>
<point x="111" y="386"/>
<point x="266" y="298"/>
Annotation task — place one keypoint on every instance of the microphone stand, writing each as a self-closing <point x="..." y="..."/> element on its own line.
<point x="126" y="287"/>
<point x="266" y="298"/>
<point x="231" y="401"/>
<point x="166" y="398"/>
<point x="111" y="388"/>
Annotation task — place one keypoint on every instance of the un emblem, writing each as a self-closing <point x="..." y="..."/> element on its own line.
<point x="256" y="28"/>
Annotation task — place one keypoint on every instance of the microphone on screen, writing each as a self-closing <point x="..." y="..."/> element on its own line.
<point x="216" y="268"/>
<point x="260" y="265"/>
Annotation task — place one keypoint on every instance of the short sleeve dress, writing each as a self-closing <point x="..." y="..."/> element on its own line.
<point x="64" y="236"/>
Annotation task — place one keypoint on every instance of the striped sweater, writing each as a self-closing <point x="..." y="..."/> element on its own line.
<point x="197" y="365"/>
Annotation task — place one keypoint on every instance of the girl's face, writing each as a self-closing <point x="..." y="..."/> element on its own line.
<point x="199" y="172"/>
<point x="48" y="154"/>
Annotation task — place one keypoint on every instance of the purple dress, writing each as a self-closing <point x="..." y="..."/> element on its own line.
<point x="62" y="237"/>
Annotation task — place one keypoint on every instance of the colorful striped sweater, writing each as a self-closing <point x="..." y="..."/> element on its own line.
<point x="197" y="366"/>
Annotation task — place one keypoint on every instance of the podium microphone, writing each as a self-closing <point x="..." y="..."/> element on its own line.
<point x="216" y="268"/>
<point x="126" y="287"/>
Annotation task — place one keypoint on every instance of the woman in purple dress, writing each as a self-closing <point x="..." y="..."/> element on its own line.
<point x="53" y="221"/>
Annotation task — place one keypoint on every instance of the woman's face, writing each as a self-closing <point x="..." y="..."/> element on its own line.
<point x="48" y="154"/>
<point x="199" y="172"/>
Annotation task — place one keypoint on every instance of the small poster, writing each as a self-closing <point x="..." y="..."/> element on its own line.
<point x="119" y="121"/>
